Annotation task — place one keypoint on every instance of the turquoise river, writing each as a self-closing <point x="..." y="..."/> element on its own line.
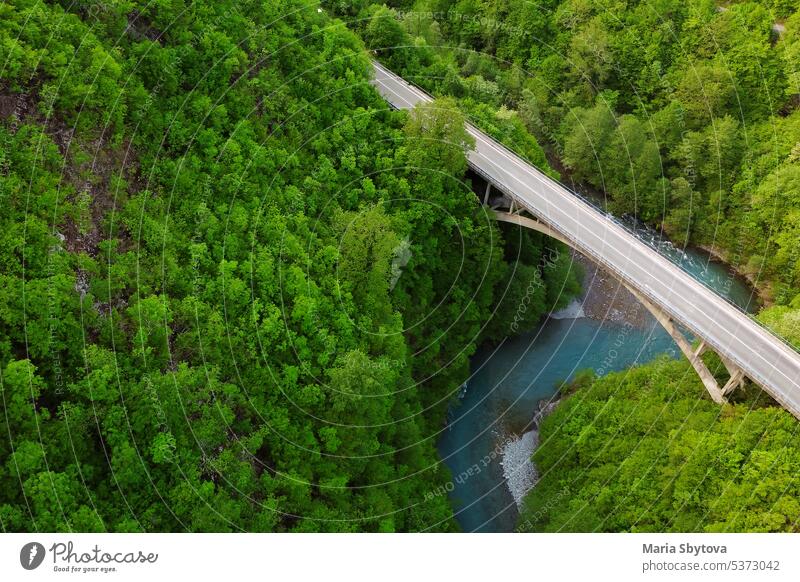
<point x="508" y="381"/>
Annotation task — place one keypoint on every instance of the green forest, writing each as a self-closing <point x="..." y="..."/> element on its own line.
<point x="239" y="292"/>
<point x="199" y="327"/>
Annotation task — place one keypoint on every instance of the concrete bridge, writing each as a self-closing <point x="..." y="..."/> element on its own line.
<point x="536" y="201"/>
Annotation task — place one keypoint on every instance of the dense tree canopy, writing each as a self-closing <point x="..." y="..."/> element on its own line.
<point x="237" y="291"/>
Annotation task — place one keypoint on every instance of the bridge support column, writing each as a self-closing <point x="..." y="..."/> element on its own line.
<point x="736" y="380"/>
<point x="701" y="349"/>
<point x="737" y="377"/>
<point x="693" y="355"/>
<point x="486" y="194"/>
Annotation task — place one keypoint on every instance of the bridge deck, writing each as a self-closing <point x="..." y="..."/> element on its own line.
<point x="765" y="358"/>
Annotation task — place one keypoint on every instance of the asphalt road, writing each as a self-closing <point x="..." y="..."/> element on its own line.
<point x="766" y="359"/>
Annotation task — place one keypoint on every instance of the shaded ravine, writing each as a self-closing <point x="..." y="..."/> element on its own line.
<point x="606" y="330"/>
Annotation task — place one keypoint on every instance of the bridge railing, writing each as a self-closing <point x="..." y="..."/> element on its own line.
<point x="594" y="206"/>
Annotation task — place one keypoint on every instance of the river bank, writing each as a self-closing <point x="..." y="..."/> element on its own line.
<point x="604" y="299"/>
<point x="519" y="470"/>
<point x="763" y="288"/>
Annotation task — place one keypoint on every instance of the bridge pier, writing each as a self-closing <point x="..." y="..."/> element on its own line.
<point x="718" y="395"/>
<point x="736" y="381"/>
<point x="693" y="355"/>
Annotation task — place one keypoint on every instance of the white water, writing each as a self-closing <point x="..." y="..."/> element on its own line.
<point x="572" y="311"/>
<point x="518" y="469"/>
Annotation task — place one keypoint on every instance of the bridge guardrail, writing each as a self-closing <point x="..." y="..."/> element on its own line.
<point x="612" y="218"/>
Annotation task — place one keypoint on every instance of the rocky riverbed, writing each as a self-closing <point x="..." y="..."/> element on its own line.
<point x="606" y="299"/>
<point x="519" y="470"/>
